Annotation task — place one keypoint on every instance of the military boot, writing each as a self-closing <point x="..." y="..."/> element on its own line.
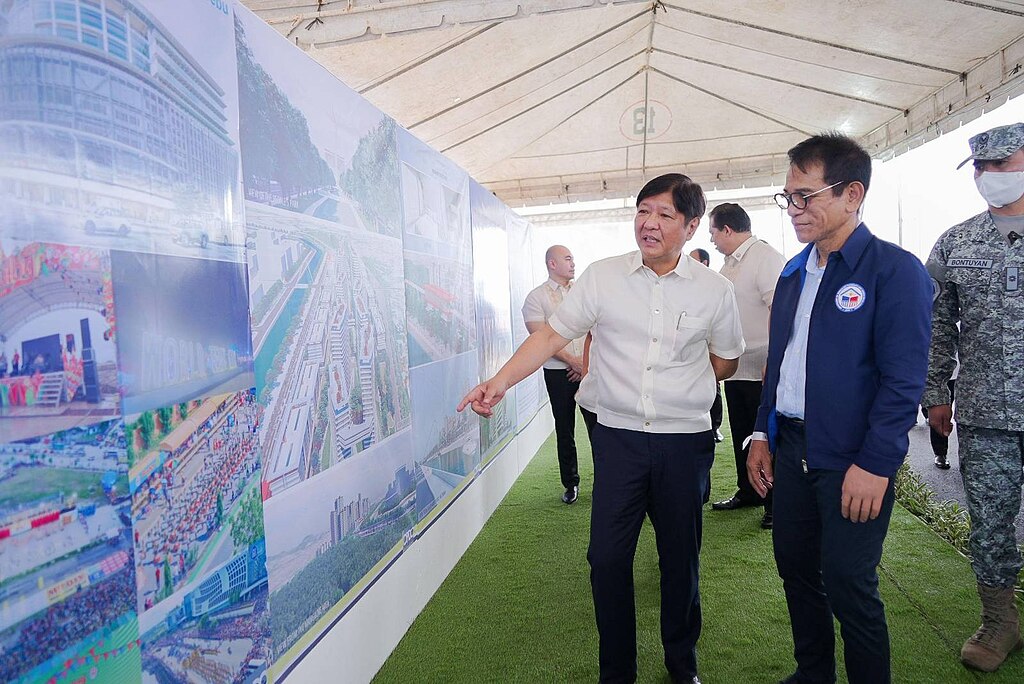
<point x="999" y="634"/>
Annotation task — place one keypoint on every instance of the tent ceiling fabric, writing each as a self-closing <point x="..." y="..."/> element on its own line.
<point x="562" y="100"/>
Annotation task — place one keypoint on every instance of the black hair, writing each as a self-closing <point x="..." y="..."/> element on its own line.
<point x="687" y="196"/>
<point x="705" y="258"/>
<point x="732" y="215"/>
<point x="842" y="159"/>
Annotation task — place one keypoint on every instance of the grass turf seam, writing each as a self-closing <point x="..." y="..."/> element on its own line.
<point x="947" y="519"/>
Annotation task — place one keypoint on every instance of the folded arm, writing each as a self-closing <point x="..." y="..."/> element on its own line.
<point x="574" y="362"/>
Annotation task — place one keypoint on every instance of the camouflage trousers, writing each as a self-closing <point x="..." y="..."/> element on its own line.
<point x="990" y="464"/>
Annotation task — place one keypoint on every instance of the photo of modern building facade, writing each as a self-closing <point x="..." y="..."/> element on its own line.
<point x="111" y="130"/>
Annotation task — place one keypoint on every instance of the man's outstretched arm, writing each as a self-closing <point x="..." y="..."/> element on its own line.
<point x="532" y="353"/>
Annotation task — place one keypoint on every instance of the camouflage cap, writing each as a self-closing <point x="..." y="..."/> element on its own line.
<point x="997" y="143"/>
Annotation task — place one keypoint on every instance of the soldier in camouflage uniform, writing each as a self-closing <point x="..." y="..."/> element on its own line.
<point x="976" y="267"/>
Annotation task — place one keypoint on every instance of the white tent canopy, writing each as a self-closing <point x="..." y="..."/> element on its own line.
<point x="562" y="100"/>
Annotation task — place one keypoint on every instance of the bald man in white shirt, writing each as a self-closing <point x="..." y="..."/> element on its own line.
<point x="563" y="371"/>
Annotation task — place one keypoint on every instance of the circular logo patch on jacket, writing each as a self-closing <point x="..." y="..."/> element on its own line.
<point x="850" y="297"/>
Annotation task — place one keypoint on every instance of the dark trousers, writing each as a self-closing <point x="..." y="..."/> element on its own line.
<point x="743" y="398"/>
<point x="590" y="420"/>
<point x="828" y="566"/>
<point x="562" y="393"/>
<point x="940" y="442"/>
<point x="716" y="409"/>
<point x="664" y="476"/>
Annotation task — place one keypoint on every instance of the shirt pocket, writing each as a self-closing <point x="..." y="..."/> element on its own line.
<point x="690" y="339"/>
<point x="973" y="285"/>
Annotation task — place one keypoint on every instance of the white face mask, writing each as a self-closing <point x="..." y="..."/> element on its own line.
<point x="1000" y="189"/>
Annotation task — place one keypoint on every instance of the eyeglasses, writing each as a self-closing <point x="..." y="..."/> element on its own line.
<point x="799" y="199"/>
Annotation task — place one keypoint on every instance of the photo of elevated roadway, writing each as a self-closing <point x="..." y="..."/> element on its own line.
<point x="329" y="334"/>
<point x="446" y="444"/>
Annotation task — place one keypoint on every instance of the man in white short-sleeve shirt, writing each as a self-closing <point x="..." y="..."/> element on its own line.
<point x="667" y="328"/>
<point x="563" y="371"/>
<point x="753" y="267"/>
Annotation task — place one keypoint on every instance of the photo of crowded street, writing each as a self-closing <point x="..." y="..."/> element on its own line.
<point x="194" y="477"/>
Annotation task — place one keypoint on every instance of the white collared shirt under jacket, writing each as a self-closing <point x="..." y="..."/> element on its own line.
<point x="654" y="333"/>
<point x="792" y="389"/>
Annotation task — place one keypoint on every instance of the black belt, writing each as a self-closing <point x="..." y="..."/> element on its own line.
<point x="795" y="422"/>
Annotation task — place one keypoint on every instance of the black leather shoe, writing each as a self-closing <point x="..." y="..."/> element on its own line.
<point x="941" y="462"/>
<point x="571" y="494"/>
<point x="734" y="503"/>
<point x="767" y="521"/>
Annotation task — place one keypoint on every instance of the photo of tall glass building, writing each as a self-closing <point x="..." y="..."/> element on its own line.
<point x="108" y="125"/>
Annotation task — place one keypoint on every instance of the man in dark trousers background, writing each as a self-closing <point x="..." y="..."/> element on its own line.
<point x="564" y="370"/>
<point x="753" y="267"/>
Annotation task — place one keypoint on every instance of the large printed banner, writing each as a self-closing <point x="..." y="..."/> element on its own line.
<point x="323" y="214"/>
<point x="238" y="307"/>
<point x="131" y="515"/>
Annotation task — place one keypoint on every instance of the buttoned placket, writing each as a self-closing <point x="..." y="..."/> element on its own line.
<point x="656" y="332"/>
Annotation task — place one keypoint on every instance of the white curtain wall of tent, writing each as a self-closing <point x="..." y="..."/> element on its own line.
<point x="252" y="253"/>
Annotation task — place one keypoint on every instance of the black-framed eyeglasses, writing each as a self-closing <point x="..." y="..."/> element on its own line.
<point x="799" y="199"/>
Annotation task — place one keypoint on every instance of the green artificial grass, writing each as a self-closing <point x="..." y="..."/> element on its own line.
<point x="517" y="606"/>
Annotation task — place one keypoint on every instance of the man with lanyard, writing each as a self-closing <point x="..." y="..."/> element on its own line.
<point x="979" y="313"/>
<point x="564" y="370"/>
<point x="753" y="267"/>
<point x="664" y="329"/>
<point x="847" y="357"/>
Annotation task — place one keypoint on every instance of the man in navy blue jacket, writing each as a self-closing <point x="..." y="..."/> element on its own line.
<point x="847" y="359"/>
